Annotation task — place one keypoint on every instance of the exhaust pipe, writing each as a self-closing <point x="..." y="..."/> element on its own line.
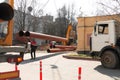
<point x="6" y="12"/>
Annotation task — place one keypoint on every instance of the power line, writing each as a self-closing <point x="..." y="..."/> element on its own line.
<point x="45" y="4"/>
<point x="55" y="5"/>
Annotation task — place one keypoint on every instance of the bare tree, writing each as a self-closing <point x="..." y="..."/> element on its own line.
<point x="80" y="12"/>
<point x="65" y="16"/>
<point x="62" y="21"/>
<point x="27" y="16"/>
<point x="72" y="16"/>
<point x="48" y="24"/>
<point x="37" y="12"/>
<point x="21" y="14"/>
<point x="109" y="8"/>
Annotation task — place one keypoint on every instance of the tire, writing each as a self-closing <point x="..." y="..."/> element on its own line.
<point x="109" y="59"/>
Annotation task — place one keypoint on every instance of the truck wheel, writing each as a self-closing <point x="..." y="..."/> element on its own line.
<point x="109" y="59"/>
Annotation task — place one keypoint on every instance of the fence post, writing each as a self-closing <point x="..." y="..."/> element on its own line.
<point x="40" y="70"/>
<point x="79" y="73"/>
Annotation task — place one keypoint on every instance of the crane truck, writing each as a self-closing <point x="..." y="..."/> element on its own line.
<point x="6" y="32"/>
<point x="105" y="41"/>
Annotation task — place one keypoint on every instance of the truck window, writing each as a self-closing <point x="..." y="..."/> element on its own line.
<point x="3" y="29"/>
<point x="102" y="28"/>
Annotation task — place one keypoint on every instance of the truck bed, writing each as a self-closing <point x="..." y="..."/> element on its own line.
<point x="10" y="52"/>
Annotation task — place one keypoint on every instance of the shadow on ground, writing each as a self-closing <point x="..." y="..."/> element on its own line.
<point x="41" y="57"/>
<point x="113" y="73"/>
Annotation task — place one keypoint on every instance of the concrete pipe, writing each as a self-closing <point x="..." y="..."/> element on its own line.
<point x="36" y="35"/>
<point x="64" y="46"/>
<point x="6" y="12"/>
<point x="59" y="50"/>
<point x="47" y="37"/>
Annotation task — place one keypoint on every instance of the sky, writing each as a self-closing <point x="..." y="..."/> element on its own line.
<point x="88" y="7"/>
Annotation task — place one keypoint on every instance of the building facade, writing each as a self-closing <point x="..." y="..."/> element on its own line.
<point x="31" y="23"/>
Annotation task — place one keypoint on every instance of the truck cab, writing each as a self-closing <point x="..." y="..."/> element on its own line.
<point x="104" y="42"/>
<point x="103" y="35"/>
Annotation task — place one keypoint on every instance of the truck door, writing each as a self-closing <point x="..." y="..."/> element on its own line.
<point x="100" y="37"/>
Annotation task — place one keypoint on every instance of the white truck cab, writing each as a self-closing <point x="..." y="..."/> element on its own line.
<point x="103" y="35"/>
<point x="105" y="42"/>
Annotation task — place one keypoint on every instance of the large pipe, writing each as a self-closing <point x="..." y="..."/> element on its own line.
<point x="64" y="46"/>
<point x="6" y="12"/>
<point x="47" y="37"/>
<point x="59" y="50"/>
<point x="22" y="36"/>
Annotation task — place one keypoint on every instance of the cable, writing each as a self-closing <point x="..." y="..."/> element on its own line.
<point x="55" y="5"/>
<point x="45" y="4"/>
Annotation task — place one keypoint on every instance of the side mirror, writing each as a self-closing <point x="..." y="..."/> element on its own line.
<point x="95" y="34"/>
<point x="95" y="30"/>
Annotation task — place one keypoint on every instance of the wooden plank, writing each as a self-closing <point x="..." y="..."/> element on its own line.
<point x="9" y="75"/>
